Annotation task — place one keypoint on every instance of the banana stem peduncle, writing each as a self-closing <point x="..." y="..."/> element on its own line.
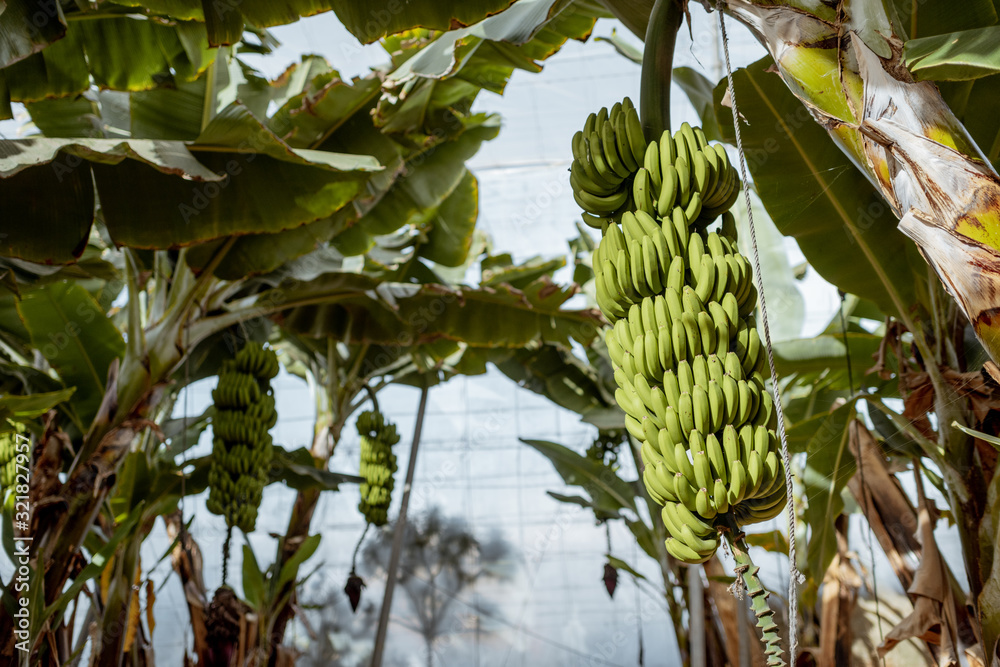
<point x="657" y="65"/>
<point x="746" y="571"/>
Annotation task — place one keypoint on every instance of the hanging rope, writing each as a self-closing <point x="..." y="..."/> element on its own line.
<point x="794" y="576"/>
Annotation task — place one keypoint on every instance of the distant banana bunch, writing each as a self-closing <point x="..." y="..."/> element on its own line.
<point x="687" y="357"/>
<point x="242" y="450"/>
<point x="378" y="465"/>
<point x="8" y="463"/>
<point x="615" y="171"/>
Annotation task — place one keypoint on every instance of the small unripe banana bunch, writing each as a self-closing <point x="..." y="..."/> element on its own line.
<point x="688" y="361"/>
<point x="378" y="465"/>
<point x="242" y="449"/>
<point x="8" y="464"/>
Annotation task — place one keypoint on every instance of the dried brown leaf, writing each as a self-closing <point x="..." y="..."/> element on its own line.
<point x="934" y="616"/>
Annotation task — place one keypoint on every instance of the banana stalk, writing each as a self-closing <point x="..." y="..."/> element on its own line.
<point x="747" y="572"/>
<point x="657" y="63"/>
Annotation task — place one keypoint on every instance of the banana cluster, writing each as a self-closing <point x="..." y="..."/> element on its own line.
<point x="378" y="465"/>
<point x="614" y="170"/>
<point x="241" y="452"/>
<point x="8" y="464"/>
<point x="687" y="357"/>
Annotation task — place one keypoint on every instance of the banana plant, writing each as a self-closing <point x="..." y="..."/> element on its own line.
<point x="845" y="134"/>
<point x="340" y="217"/>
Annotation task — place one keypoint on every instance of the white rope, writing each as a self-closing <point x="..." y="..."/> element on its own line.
<point x="794" y="576"/>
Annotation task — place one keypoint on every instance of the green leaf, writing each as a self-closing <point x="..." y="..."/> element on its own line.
<point x="119" y="52"/>
<point x="829" y="466"/>
<point x="609" y="492"/>
<point x="38" y="226"/>
<point x="189" y="10"/>
<point x="956" y="56"/>
<point x="633" y="13"/>
<point x="815" y="194"/>
<point x="414" y="199"/>
<point x="827" y="352"/>
<point x="291" y="567"/>
<point x="556" y="373"/>
<point x="501" y="269"/>
<point x="925" y="18"/>
<point x="172" y="114"/>
<point x="370" y="21"/>
<point x="624" y="47"/>
<point x="183" y="433"/>
<point x="774" y="541"/>
<point x="34" y="405"/>
<point x="350" y="308"/>
<point x="134" y="54"/>
<point x="449" y="236"/>
<point x="157" y="194"/>
<point x="451" y="50"/>
<point x="28" y="26"/>
<point x="619" y="564"/>
<point x="297" y="470"/>
<point x="20" y="155"/>
<point x="74" y="335"/>
<point x="985" y="437"/>
<point x="700" y="91"/>
<point x="253" y="579"/>
<point x="572" y="500"/>
<point x="323" y="107"/>
<point x="61" y="69"/>
<point x="255" y="254"/>
<point x="67" y="117"/>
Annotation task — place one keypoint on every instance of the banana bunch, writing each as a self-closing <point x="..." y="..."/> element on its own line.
<point x="242" y="449"/>
<point x="378" y="464"/>
<point x="688" y="361"/>
<point x="8" y="464"/>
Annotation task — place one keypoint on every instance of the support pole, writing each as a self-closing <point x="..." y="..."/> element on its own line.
<point x="397" y="537"/>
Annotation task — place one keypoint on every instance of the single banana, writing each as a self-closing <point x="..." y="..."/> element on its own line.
<point x="642" y="192"/>
<point x="737" y="482"/>
<point x="668" y="191"/>
<point x="720" y="496"/>
<point x="702" y="411"/>
<point x="651" y="162"/>
<point x="704" y="505"/>
<point x="622" y="143"/>
<point x="713" y="448"/>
